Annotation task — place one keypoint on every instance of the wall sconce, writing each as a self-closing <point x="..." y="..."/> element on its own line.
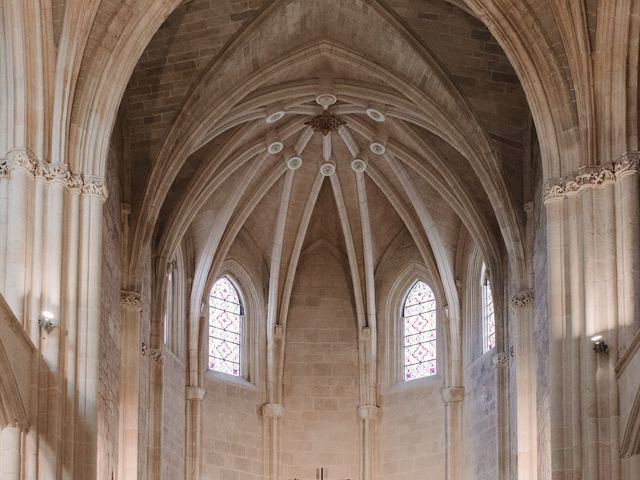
<point x="45" y="322"/>
<point x="599" y="345"/>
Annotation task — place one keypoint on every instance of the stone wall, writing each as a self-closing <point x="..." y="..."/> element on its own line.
<point x="542" y="337"/>
<point x="412" y="432"/>
<point x="479" y="420"/>
<point x="231" y="431"/>
<point x="320" y="427"/>
<point x="173" y="416"/>
<point x="109" y="359"/>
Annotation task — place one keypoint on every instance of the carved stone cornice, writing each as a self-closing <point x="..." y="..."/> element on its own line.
<point x="272" y="410"/>
<point x="452" y="394"/>
<point x="501" y="360"/>
<point x="130" y="300"/>
<point x="522" y="299"/>
<point x="368" y="412"/>
<point x="591" y="177"/>
<point x="195" y="393"/>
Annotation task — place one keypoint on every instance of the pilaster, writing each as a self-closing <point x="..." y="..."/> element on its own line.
<point x="272" y="413"/>
<point x="453" y="398"/>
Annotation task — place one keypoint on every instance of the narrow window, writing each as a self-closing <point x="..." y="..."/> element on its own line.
<point x="419" y="325"/>
<point x="488" y="315"/>
<point x="225" y="327"/>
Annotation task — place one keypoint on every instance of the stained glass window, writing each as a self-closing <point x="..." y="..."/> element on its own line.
<point x="488" y="314"/>
<point x="225" y="327"/>
<point x="419" y="323"/>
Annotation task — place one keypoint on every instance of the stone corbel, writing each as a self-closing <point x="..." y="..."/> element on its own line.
<point x="452" y="395"/>
<point x="130" y="300"/>
<point x="154" y="354"/>
<point x="273" y="410"/>
<point x="521" y="299"/>
<point x="368" y="412"/>
<point x="501" y="360"/>
<point x="195" y="393"/>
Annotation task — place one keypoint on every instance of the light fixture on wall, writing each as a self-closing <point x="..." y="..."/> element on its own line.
<point x="46" y="322"/>
<point x="599" y="345"/>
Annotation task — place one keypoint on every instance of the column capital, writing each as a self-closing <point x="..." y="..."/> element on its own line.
<point x="368" y="412"/>
<point x="130" y="300"/>
<point x="22" y="159"/>
<point x="452" y="394"/>
<point x="521" y="299"/>
<point x="501" y="360"/>
<point x="94" y="186"/>
<point x="273" y="410"/>
<point x="154" y="354"/>
<point x="195" y="393"/>
<point x="591" y="176"/>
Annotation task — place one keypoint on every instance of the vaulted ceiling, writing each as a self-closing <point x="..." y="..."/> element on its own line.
<point x="198" y="118"/>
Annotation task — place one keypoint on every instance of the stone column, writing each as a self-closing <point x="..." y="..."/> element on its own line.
<point x="582" y="217"/>
<point x="90" y="261"/>
<point x="4" y="212"/>
<point x="501" y="362"/>
<point x="195" y="397"/>
<point x="368" y="415"/>
<point x="453" y="398"/>
<point x="272" y="414"/>
<point x="525" y="364"/>
<point x="130" y="353"/>
<point x="21" y="167"/>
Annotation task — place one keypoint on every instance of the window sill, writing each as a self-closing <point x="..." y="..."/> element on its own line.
<point x="229" y="379"/>
<point x="482" y="358"/>
<point x="425" y="382"/>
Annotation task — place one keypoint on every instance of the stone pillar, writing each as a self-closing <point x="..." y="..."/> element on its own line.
<point x="501" y="362"/>
<point x="453" y="398"/>
<point x="589" y="225"/>
<point x="21" y="167"/>
<point x="10" y="453"/>
<point x="272" y="414"/>
<point x="195" y="397"/>
<point x="90" y="261"/>
<point x="130" y="353"/>
<point x="525" y="364"/>
<point x="4" y="212"/>
<point x="368" y="415"/>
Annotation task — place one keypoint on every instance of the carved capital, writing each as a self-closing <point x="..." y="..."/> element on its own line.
<point x="501" y="360"/>
<point x="154" y="354"/>
<point x="628" y="162"/>
<point x="273" y="410"/>
<point x="4" y="167"/>
<point x="368" y="412"/>
<point x="94" y="186"/>
<point x="195" y="393"/>
<point x="130" y="300"/>
<point x="21" y="159"/>
<point x="591" y="177"/>
<point x="522" y="299"/>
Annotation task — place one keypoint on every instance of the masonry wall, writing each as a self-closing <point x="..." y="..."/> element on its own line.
<point x="320" y="427"/>
<point x="480" y="421"/>
<point x="231" y="431"/>
<point x="173" y="416"/>
<point x="109" y="359"/>
<point x="412" y="432"/>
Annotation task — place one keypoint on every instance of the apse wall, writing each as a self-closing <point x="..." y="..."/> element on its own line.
<point x="320" y="427"/>
<point x="411" y="430"/>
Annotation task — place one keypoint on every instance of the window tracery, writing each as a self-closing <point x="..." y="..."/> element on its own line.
<point x="419" y="332"/>
<point x="488" y="313"/>
<point x="225" y="328"/>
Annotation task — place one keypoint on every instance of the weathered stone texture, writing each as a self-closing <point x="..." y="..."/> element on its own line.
<point x="109" y="359"/>
<point x="480" y="422"/>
